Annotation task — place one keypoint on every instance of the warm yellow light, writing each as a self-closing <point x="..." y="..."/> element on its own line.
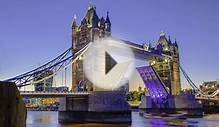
<point x="81" y="57"/>
<point x="153" y="62"/>
<point x="165" y="49"/>
<point x="166" y="60"/>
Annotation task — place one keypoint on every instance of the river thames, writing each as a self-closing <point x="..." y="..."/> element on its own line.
<point x="50" y="119"/>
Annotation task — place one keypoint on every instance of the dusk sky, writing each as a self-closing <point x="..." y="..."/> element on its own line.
<point x="33" y="32"/>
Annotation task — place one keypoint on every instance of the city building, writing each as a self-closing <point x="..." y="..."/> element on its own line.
<point x="58" y="89"/>
<point x="125" y="86"/>
<point x="44" y="85"/>
<point x="209" y="87"/>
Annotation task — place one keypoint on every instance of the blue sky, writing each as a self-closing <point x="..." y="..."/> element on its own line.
<point x="34" y="31"/>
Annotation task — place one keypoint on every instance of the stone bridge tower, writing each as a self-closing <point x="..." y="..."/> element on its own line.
<point x="168" y="69"/>
<point x="91" y="28"/>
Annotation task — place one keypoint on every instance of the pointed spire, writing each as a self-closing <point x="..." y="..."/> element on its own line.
<point x="91" y="17"/>
<point x="149" y="45"/>
<point x="169" y="40"/>
<point x="107" y="18"/>
<point x="162" y="39"/>
<point x="102" y="20"/>
<point x="75" y="17"/>
<point x="84" y="22"/>
<point x="162" y="33"/>
<point x="90" y="5"/>
<point x="175" y="43"/>
<point x="108" y="23"/>
<point x="74" y="24"/>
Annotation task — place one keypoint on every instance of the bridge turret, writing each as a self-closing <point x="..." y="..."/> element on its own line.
<point x="164" y="42"/>
<point x="107" y="23"/>
<point x="176" y="85"/>
<point x="91" y="28"/>
<point x="74" y="24"/>
<point x="102" y="23"/>
<point x="92" y="17"/>
<point x="168" y="69"/>
<point x="74" y="31"/>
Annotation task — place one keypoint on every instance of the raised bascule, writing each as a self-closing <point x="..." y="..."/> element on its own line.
<point x="161" y="77"/>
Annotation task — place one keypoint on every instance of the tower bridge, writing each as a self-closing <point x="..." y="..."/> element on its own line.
<point x="93" y="28"/>
<point x="161" y="77"/>
<point x="164" y="57"/>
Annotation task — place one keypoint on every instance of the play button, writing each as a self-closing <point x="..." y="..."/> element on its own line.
<point x="107" y="63"/>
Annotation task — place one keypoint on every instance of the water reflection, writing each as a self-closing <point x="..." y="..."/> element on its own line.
<point x="158" y="123"/>
<point x="50" y="119"/>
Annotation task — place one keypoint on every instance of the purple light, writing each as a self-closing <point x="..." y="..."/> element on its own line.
<point x="153" y="84"/>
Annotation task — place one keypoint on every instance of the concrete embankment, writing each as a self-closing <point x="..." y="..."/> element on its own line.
<point x="12" y="108"/>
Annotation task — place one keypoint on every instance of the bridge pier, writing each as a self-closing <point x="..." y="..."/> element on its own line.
<point x="185" y="103"/>
<point x="97" y="107"/>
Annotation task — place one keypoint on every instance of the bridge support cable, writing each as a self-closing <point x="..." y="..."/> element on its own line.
<point x="65" y="77"/>
<point x="58" y="58"/>
<point x="195" y="88"/>
<point x="62" y="78"/>
<point x="54" y="80"/>
<point x="44" y="85"/>
<point x="76" y="57"/>
<point x="191" y="83"/>
<point x="60" y="63"/>
<point x="61" y="69"/>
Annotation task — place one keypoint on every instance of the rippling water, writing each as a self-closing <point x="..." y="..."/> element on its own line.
<point x="50" y="119"/>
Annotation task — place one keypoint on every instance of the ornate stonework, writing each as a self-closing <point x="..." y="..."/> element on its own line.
<point x="168" y="69"/>
<point x="91" y="28"/>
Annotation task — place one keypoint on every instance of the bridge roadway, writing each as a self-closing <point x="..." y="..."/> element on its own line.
<point x="34" y="94"/>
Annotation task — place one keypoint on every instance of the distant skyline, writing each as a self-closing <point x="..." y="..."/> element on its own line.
<point x="33" y="32"/>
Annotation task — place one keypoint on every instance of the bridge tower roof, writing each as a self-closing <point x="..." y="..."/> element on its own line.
<point x="107" y="18"/>
<point x="74" y="24"/>
<point x="91" y="17"/>
<point x="162" y="39"/>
